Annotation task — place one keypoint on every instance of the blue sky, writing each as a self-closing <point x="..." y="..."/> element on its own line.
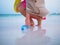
<point x="6" y="6"/>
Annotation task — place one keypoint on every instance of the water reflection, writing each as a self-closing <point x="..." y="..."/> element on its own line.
<point x="37" y="37"/>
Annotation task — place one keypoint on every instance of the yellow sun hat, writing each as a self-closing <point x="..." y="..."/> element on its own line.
<point x="15" y="5"/>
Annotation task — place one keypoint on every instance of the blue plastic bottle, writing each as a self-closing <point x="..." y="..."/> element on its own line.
<point x="24" y="27"/>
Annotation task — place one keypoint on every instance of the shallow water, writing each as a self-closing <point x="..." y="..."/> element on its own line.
<point x="11" y="33"/>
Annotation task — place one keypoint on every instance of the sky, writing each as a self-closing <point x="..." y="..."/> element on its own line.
<point x="7" y="6"/>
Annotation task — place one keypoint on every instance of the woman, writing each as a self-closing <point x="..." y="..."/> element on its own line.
<point x="22" y="9"/>
<point x="32" y="10"/>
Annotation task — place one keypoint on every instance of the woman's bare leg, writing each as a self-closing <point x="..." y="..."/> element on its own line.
<point x="38" y="18"/>
<point x="31" y="21"/>
<point x="27" y="21"/>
